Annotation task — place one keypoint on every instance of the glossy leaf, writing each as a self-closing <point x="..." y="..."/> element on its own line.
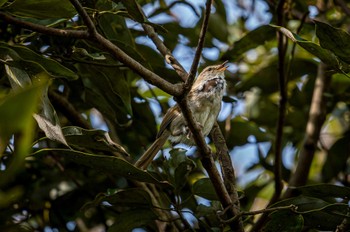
<point x="204" y="188"/>
<point x="16" y="118"/>
<point x="337" y="156"/>
<point x="19" y="56"/>
<point x="131" y="219"/>
<point x="324" y="191"/>
<point x="42" y="8"/>
<point x="128" y="198"/>
<point x="334" y="39"/>
<point x="317" y="213"/>
<point x="97" y="140"/>
<point x="134" y="10"/>
<point x="108" y="164"/>
<point x="251" y="40"/>
<point x="182" y="168"/>
<point x="241" y="130"/>
<point x="284" y="220"/>
<point x="323" y="54"/>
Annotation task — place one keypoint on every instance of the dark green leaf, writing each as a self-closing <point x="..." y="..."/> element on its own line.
<point x="242" y="129"/>
<point x="218" y="27"/>
<point x="251" y="40"/>
<point x="109" y="164"/>
<point x="323" y="54"/>
<point x="182" y="171"/>
<point x="204" y="188"/>
<point x="20" y="57"/>
<point x="317" y="213"/>
<point x="334" y="39"/>
<point x="16" y="118"/>
<point x="131" y="219"/>
<point x="337" y="156"/>
<point x="108" y="91"/>
<point x="266" y="78"/>
<point x="128" y="198"/>
<point x="97" y="140"/>
<point x="42" y="8"/>
<point x="284" y="220"/>
<point x="324" y="191"/>
<point x="134" y="10"/>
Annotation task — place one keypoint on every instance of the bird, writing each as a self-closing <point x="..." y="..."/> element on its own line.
<point x="204" y="100"/>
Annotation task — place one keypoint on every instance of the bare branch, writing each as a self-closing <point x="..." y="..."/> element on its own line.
<point x="199" y="49"/>
<point x="317" y="116"/>
<point x="86" y="18"/>
<point x="282" y="104"/>
<point x="68" y="110"/>
<point x="78" y="34"/>
<point x="228" y="172"/>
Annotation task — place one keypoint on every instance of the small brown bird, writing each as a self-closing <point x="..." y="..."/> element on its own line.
<point x="204" y="99"/>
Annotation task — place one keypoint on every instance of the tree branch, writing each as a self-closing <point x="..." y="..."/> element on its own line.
<point x="169" y="58"/>
<point x="68" y="110"/>
<point x="78" y="34"/>
<point x="227" y="170"/>
<point x="317" y="116"/>
<point x="85" y="17"/>
<point x="281" y="117"/>
<point x="206" y="154"/>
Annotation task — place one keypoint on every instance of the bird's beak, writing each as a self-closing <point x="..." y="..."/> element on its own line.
<point x="223" y="66"/>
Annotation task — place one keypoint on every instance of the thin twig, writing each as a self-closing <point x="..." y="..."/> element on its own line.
<point x="198" y="53"/>
<point x="267" y="210"/>
<point x="282" y="104"/>
<point x="169" y="58"/>
<point x="281" y="117"/>
<point x="86" y="18"/>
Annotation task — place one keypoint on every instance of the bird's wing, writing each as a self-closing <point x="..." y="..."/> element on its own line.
<point x="170" y="115"/>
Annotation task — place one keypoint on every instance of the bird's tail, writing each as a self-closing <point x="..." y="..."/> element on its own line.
<point x="152" y="151"/>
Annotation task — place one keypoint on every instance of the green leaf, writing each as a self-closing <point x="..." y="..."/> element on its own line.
<point x="108" y="91"/>
<point x="284" y="220"/>
<point x="128" y="220"/>
<point x="242" y="129"/>
<point x="317" y="213"/>
<point x="20" y="56"/>
<point x="204" y="188"/>
<point x="134" y="10"/>
<point x="251" y="40"/>
<point x="108" y="164"/>
<point x="16" y="118"/>
<point x="182" y="168"/>
<point x="323" y="54"/>
<point x="97" y="140"/>
<point x="334" y="39"/>
<point x="337" y="157"/>
<point x="218" y="27"/>
<point x="266" y="77"/>
<point x="42" y="9"/>
<point x="2" y="2"/>
<point x="324" y="191"/>
<point x="133" y="197"/>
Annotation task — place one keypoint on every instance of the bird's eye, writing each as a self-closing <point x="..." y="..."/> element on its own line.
<point x="210" y="69"/>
